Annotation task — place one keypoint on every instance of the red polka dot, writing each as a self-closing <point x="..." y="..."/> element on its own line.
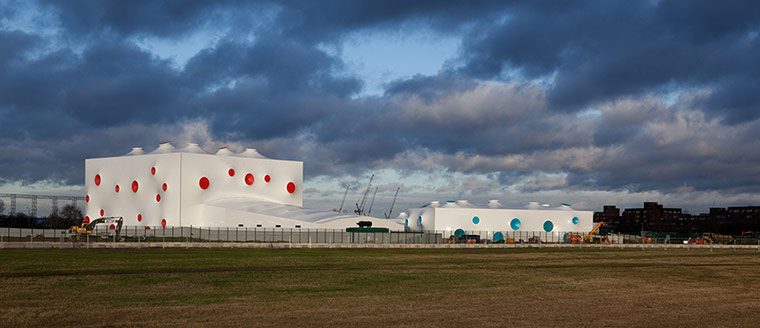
<point x="204" y="183"/>
<point x="231" y="172"/>
<point x="163" y="222"/>
<point x="86" y="198"/>
<point x="158" y="198"/>
<point x="164" y="186"/>
<point x="291" y="187"/>
<point x="102" y="212"/>
<point x="135" y="186"/>
<point x="267" y="178"/>
<point x="112" y="227"/>
<point x="147" y="228"/>
<point x="139" y="217"/>
<point x="249" y="179"/>
<point x="153" y="171"/>
<point x="97" y="179"/>
<point x="116" y="188"/>
<point x="86" y="219"/>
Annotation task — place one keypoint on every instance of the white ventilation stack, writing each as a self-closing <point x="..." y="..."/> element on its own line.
<point x="135" y="151"/>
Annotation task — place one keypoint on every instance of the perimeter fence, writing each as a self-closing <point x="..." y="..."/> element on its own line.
<point x="158" y="234"/>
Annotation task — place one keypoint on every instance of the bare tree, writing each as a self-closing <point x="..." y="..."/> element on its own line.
<point x="71" y="215"/>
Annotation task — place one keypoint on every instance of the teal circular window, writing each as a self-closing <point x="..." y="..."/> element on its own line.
<point x="498" y="236"/>
<point x="419" y="220"/>
<point x="575" y="220"/>
<point x="548" y="226"/>
<point x="475" y="219"/>
<point x="406" y="222"/>
<point x="515" y="224"/>
<point x="459" y="233"/>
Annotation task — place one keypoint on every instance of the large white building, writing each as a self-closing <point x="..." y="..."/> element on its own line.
<point x="190" y="187"/>
<point x="496" y="221"/>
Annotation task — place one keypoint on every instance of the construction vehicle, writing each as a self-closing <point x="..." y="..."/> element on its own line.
<point x="86" y="228"/>
<point x="590" y="238"/>
<point x="593" y="238"/>
<point x="714" y="238"/>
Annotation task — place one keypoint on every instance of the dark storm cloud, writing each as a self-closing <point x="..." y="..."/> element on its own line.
<point x="170" y="18"/>
<point x="599" y="50"/>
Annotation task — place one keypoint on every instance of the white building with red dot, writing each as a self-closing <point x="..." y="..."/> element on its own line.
<point x="191" y="187"/>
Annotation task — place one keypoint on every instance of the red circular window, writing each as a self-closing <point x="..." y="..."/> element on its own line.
<point x="231" y="172"/>
<point x="204" y="183"/>
<point x="116" y="188"/>
<point x="86" y="198"/>
<point x="291" y="187"/>
<point x="135" y="186"/>
<point x="249" y="179"/>
<point x="97" y="179"/>
<point x="102" y="212"/>
<point x="158" y="198"/>
<point x="139" y="217"/>
<point x="164" y="186"/>
<point x="112" y="227"/>
<point x="163" y="222"/>
<point x="86" y="219"/>
<point x="153" y="171"/>
<point x="267" y="178"/>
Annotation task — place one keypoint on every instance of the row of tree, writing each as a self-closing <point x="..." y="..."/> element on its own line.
<point x="68" y="216"/>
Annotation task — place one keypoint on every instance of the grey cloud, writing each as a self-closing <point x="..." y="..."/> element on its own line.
<point x="599" y="50"/>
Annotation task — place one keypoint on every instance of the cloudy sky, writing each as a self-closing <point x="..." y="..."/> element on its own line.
<point x="583" y="102"/>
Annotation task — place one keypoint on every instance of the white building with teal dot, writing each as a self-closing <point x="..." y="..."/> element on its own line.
<point x="495" y="222"/>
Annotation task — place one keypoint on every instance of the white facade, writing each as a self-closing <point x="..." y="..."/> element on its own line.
<point x="462" y="217"/>
<point x="188" y="186"/>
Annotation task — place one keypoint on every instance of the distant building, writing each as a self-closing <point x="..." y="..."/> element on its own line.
<point x="657" y="218"/>
<point x="734" y="220"/>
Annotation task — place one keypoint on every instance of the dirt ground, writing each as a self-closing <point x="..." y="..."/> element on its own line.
<point x="368" y="288"/>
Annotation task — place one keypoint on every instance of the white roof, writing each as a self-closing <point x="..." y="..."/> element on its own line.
<point x="495" y="204"/>
<point x="167" y="147"/>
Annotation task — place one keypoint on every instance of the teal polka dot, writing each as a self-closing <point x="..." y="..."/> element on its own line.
<point x="548" y="226"/>
<point x="498" y="236"/>
<point x="406" y="222"/>
<point x="419" y="220"/>
<point x="575" y="220"/>
<point x="515" y="224"/>
<point x="476" y="220"/>
<point x="459" y="233"/>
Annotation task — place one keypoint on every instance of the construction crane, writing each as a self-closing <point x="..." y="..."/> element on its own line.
<point x="340" y="210"/>
<point x="373" y="201"/>
<point x="360" y="208"/>
<point x="387" y="216"/>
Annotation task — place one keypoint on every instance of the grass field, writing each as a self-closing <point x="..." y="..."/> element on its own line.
<point x="360" y="287"/>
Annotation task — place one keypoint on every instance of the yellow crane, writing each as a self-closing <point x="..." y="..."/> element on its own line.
<point x="590" y="238"/>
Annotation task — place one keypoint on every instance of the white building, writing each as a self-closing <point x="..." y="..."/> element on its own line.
<point x="495" y="221"/>
<point x="190" y="187"/>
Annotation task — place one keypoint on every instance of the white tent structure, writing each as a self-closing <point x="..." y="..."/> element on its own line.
<point x="191" y="187"/>
<point x="462" y="217"/>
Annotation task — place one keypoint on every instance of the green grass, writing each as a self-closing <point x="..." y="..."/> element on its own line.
<point x="379" y="287"/>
